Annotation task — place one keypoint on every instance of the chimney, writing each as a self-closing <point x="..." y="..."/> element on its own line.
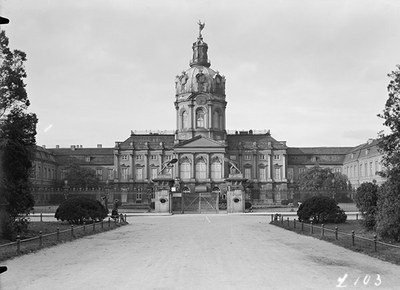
<point x="57" y="146"/>
<point x="99" y="146"/>
<point x="72" y="147"/>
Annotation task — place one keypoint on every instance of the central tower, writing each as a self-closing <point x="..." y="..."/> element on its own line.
<point x="200" y="98"/>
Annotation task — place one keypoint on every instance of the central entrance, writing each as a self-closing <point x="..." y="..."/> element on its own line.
<point x="196" y="202"/>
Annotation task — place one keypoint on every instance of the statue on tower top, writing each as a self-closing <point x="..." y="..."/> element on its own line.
<point x="201" y="27"/>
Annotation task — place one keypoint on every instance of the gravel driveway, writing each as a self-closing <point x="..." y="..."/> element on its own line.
<point x="198" y="252"/>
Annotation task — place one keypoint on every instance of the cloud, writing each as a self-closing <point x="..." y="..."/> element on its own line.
<point x="48" y="128"/>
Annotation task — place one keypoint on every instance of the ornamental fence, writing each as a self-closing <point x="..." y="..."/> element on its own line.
<point x="22" y="246"/>
<point x="334" y="234"/>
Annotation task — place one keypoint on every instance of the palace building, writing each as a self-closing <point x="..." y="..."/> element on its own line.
<point x="204" y="151"/>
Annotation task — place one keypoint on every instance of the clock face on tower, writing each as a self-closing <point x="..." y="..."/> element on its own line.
<point x="201" y="100"/>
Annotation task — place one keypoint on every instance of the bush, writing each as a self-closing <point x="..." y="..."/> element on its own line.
<point x="76" y="210"/>
<point x="366" y="201"/>
<point x="321" y="209"/>
<point x="388" y="211"/>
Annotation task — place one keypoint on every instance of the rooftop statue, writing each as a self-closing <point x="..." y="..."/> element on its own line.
<point x="201" y="27"/>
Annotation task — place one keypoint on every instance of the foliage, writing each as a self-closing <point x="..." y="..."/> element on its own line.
<point x="388" y="204"/>
<point x="321" y="209"/>
<point x="317" y="178"/>
<point x="76" y="210"/>
<point x="12" y="86"/>
<point x="18" y="131"/>
<point x="81" y="177"/>
<point x="366" y="201"/>
<point x="388" y="211"/>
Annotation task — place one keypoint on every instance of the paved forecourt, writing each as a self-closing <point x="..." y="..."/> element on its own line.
<point x="204" y="251"/>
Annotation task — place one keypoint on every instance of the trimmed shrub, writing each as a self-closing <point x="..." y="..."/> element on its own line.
<point x="366" y="201"/>
<point x="76" y="210"/>
<point x="321" y="209"/>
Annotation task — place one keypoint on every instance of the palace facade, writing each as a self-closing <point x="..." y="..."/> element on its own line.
<point x="204" y="151"/>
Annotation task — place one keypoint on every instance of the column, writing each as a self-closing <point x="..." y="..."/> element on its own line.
<point x="193" y="167"/>
<point x="284" y="167"/>
<point x="146" y="166"/>
<point x="269" y="158"/>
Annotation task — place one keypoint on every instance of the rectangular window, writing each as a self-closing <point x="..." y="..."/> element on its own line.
<point x="263" y="173"/>
<point x="110" y="174"/>
<point x="366" y="169"/>
<point x="139" y="173"/>
<point x="138" y="197"/>
<point x="301" y="170"/>
<point x="232" y="157"/>
<point x="247" y="157"/>
<point x="139" y="157"/>
<point x="361" y="173"/>
<point x="201" y="171"/>
<point x="154" y="173"/>
<point x="355" y="171"/>
<point x="376" y="167"/>
<point x="185" y="170"/>
<point x="216" y="170"/>
<point x="277" y="157"/>
<point x="125" y="157"/>
<point x="277" y="173"/>
<point x="290" y="174"/>
<point x="124" y="174"/>
<point x="247" y="173"/>
<point x="153" y="157"/>
<point x="168" y="157"/>
<point x="263" y="157"/>
<point x="370" y="169"/>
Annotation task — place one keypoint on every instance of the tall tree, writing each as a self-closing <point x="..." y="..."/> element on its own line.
<point x="81" y="177"/>
<point x="12" y="75"/>
<point x="318" y="178"/>
<point x="388" y="204"/>
<point x="17" y="135"/>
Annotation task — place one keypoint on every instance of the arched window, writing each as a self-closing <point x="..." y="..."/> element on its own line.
<point x="185" y="120"/>
<point x="185" y="169"/>
<point x="201" y="169"/>
<point x="216" y="170"/>
<point x="200" y="118"/>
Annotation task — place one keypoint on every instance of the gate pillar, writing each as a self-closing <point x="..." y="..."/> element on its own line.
<point x="162" y="194"/>
<point x="235" y="195"/>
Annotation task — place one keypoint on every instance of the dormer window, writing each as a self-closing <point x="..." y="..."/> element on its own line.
<point x="87" y="158"/>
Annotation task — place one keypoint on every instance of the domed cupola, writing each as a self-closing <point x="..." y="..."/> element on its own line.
<point x="200" y="97"/>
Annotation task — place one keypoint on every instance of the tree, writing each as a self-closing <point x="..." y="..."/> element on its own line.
<point x="323" y="179"/>
<point x="12" y="74"/>
<point x="388" y="204"/>
<point x="18" y="143"/>
<point x="81" y="177"/>
<point x="366" y="199"/>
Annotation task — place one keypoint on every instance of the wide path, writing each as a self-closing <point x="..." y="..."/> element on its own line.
<point x="198" y="252"/>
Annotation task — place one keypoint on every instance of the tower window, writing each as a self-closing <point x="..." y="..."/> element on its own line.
<point x="200" y="118"/>
<point x="185" y="120"/>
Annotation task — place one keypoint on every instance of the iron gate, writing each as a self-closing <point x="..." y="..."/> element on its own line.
<point x="198" y="202"/>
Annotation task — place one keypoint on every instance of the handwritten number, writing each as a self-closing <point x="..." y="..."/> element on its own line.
<point x="341" y="281"/>
<point x="355" y="283"/>
<point x="366" y="279"/>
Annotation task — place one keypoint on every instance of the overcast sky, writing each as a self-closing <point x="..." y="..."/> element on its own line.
<point x="313" y="72"/>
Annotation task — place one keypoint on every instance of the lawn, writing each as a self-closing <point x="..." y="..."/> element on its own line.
<point x="50" y="237"/>
<point x="361" y="244"/>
